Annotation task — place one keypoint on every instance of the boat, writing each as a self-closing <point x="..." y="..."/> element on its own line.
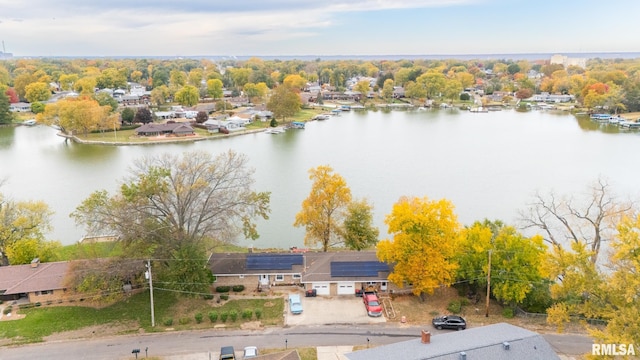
<point x="479" y="109"/>
<point x="30" y="122"/>
<point x="336" y="112"/>
<point x="600" y="117"/>
<point x="321" y="117"/>
<point x="275" y="130"/>
<point x="297" y="125"/>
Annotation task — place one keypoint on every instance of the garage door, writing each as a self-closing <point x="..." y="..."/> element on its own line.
<point x="346" y="288"/>
<point x="321" y="288"/>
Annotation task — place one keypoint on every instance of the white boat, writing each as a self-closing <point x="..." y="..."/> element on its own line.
<point x="30" y="122"/>
<point x="275" y="130"/>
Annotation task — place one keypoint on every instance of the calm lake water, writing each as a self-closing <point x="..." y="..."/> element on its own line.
<point x="488" y="164"/>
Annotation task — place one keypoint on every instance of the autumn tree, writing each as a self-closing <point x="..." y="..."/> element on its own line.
<point x="159" y="95"/>
<point x="188" y="96"/>
<point x="424" y="244"/>
<point x="85" y="86"/>
<point x="359" y="232"/>
<point x="21" y="221"/>
<point x="201" y="117"/>
<point x="76" y="115"/>
<point x="515" y="260"/>
<point x="12" y="95"/>
<point x="37" y="91"/>
<point x="171" y="201"/>
<point x="387" y="90"/>
<point x="295" y="81"/>
<point x="284" y="102"/>
<point x="324" y="209"/>
<point x="25" y="250"/>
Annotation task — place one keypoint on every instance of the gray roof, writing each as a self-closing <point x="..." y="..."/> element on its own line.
<point x="480" y="343"/>
<point x="22" y="279"/>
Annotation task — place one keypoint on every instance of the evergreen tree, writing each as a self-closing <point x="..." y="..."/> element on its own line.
<point x="6" y="116"/>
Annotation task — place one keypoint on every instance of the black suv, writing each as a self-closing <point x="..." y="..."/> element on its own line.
<point x="227" y="353"/>
<point x="449" y="322"/>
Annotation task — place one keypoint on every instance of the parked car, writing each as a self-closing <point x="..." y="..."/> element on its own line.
<point x="250" y="352"/>
<point x="449" y="322"/>
<point x="294" y="304"/>
<point x="372" y="304"/>
<point x="227" y="353"/>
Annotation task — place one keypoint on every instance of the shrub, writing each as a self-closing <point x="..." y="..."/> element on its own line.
<point x="223" y="316"/>
<point x="38" y="304"/>
<point x="454" y="307"/>
<point x="224" y="297"/>
<point x="213" y="316"/>
<point x="508" y="313"/>
<point x="168" y="322"/>
<point x="258" y="313"/>
<point x="238" y="288"/>
<point x="184" y="321"/>
<point x="464" y="302"/>
<point x="198" y="317"/>
<point x="223" y="289"/>
<point x="207" y="296"/>
<point x="465" y="96"/>
<point x="233" y="314"/>
<point x="247" y="314"/>
<point x="7" y="310"/>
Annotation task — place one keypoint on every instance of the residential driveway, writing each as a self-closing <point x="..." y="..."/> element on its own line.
<point x="331" y="310"/>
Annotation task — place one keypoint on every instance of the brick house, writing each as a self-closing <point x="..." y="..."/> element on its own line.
<point x="37" y="282"/>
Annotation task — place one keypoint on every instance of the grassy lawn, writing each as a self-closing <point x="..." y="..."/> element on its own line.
<point x="134" y="313"/>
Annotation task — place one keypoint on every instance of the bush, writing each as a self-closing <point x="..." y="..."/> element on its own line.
<point x="238" y="288"/>
<point x="213" y="316"/>
<point x="198" y="317"/>
<point x="223" y="316"/>
<point x="247" y="314"/>
<point x="168" y="322"/>
<point x="184" y="321"/>
<point x="465" y="97"/>
<point x="207" y="296"/>
<point x="38" y="304"/>
<point x="258" y="313"/>
<point x="223" y="289"/>
<point x="224" y="297"/>
<point x="7" y="310"/>
<point x="508" y="313"/>
<point x="273" y="122"/>
<point x="454" y="307"/>
<point x="233" y="314"/>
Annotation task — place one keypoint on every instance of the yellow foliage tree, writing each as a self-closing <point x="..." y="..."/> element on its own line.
<point x="77" y="115"/>
<point x="323" y="211"/>
<point x="425" y="234"/>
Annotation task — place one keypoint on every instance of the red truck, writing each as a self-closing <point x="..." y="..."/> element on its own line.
<point x="372" y="304"/>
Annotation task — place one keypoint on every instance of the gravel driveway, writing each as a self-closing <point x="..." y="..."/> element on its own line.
<point x="331" y="310"/>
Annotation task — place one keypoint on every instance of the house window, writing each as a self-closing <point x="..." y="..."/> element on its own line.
<point x="296" y="276"/>
<point x="44" y="292"/>
<point x="279" y="277"/>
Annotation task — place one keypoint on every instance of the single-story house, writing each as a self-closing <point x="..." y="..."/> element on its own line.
<point x="345" y="272"/>
<point x="20" y="107"/>
<point x="329" y="273"/>
<point x="556" y="98"/>
<point x="37" y="282"/>
<point x="500" y="341"/>
<point x="151" y="129"/>
<point x="257" y="270"/>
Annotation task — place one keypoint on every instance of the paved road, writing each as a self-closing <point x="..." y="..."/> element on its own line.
<point x="202" y="344"/>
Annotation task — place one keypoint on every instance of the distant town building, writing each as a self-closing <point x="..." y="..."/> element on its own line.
<point x="568" y="61"/>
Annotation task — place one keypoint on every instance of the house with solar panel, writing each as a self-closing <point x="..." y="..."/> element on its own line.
<point x="257" y="270"/>
<point x="345" y="273"/>
<point x="328" y="273"/>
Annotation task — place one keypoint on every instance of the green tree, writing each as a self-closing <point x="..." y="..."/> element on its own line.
<point x="214" y="88"/>
<point x="25" y="250"/>
<point x="186" y="271"/>
<point x="105" y="99"/>
<point x="363" y="88"/>
<point x="387" y="90"/>
<point x="128" y="115"/>
<point x="169" y="201"/>
<point x="159" y="95"/>
<point x="37" y="91"/>
<point x="37" y="107"/>
<point x="6" y="116"/>
<point x="515" y="260"/>
<point x="452" y="89"/>
<point x="323" y="211"/>
<point x="433" y="82"/>
<point x="359" y="232"/>
<point x="424" y="244"/>
<point x="284" y="102"/>
<point x="27" y="220"/>
<point x="188" y="96"/>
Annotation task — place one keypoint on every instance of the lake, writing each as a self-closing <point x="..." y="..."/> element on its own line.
<point x="487" y="164"/>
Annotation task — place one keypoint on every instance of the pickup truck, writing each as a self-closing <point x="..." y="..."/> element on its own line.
<point x="372" y="304"/>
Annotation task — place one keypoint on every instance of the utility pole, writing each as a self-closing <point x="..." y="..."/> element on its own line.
<point x="488" y="284"/>
<point x="153" y="319"/>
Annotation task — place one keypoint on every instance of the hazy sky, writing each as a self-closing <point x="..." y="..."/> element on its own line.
<point x="316" y="27"/>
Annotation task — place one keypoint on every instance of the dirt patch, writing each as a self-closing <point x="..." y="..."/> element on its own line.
<point x="95" y="331"/>
<point x="252" y="325"/>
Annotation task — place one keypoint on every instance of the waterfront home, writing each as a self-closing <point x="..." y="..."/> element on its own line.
<point x="176" y="129"/>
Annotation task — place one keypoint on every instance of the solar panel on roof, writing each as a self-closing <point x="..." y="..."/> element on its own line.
<point x="273" y="261"/>
<point x="357" y="268"/>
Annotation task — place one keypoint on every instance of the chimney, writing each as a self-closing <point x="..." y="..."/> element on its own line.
<point x="463" y="355"/>
<point x="35" y="262"/>
<point x="426" y="337"/>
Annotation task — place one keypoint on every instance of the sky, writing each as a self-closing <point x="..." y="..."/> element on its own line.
<point x="316" y="27"/>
